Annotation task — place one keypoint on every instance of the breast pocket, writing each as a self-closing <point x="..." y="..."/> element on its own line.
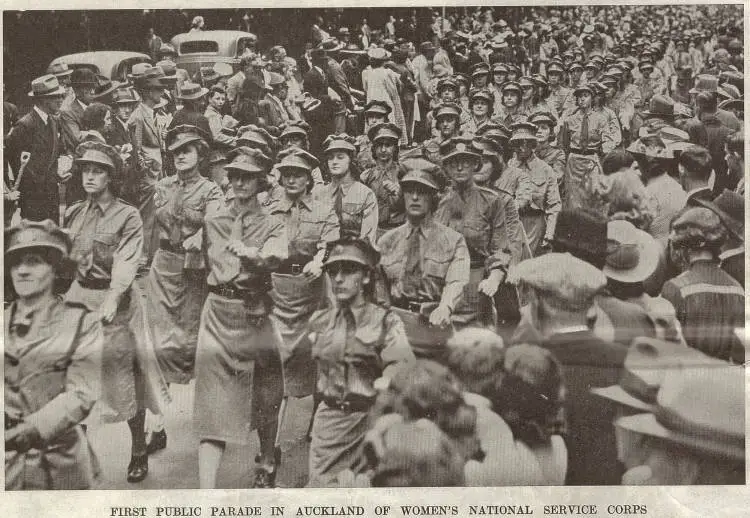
<point x="364" y="351"/>
<point x="538" y="191"/>
<point x="436" y="268"/>
<point x="105" y="245"/>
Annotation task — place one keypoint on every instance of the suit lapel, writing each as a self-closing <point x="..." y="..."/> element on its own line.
<point x="150" y="124"/>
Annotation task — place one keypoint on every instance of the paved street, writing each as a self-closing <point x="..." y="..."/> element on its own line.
<point x="176" y="467"/>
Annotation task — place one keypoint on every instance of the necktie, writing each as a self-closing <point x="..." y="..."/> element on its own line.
<point x="293" y="222"/>
<point x="338" y="202"/>
<point x="413" y="271"/>
<point x="21" y="326"/>
<point x="585" y="132"/>
<point x="85" y="241"/>
<point x="175" y="235"/>
<point x="234" y="265"/>
<point x="343" y="327"/>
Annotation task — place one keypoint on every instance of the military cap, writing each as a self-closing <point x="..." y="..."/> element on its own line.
<point x="297" y="158"/>
<point x="583" y="89"/>
<point x="523" y="131"/>
<point x="124" y="96"/>
<point x="421" y="171"/>
<point x="36" y="234"/>
<point x="480" y="69"/>
<point x="499" y="68"/>
<point x="645" y="64"/>
<point x="184" y="134"/>
<point x="511" y="86"/>
<point x="526" y="81"/>
<point x="352" y="250"/>
<point x="482" y="93"/>
<point x="253" y="136"/>
<point x="295" y="128"/>
<point x="565" y="278"/>
<point x="447" y="110"/>
<point x="575" y="65"/>
<point x="543" y="118"/>
<point x="93" y="152"/>
<point x="340" y="142"/>
<point x="497" y="132"/>
<point x="447" y="82"/>
<point x="247" y="160"/>
<point x="486" y="146"/>
<point x="380" y="107"/>
<point x="555" y="68"/>
<point x="384" y="131"/>
<point x="458" y="146"/>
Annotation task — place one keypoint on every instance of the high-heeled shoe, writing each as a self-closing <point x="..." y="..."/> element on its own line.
<point x="158" y="442"/>
<point x="138" y="468"/>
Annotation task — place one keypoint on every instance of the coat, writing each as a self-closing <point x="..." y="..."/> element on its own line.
<point x="51" y="382"/>
<point x="71" y="125"/>
<point x="39" y="189"/>
<point x="271" y="112"/>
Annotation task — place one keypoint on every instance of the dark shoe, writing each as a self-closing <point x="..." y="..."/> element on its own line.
<point x="158" y="442"/>
<point x="264" y="478"/>
<point x="138" y="468"/>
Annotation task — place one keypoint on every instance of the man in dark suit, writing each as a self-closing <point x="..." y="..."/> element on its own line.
<point x="38" y="133"/>
<point x="271" y="109"/>
<point x="695" y="168"/>
<point x="153" y="44"/>
<point x="561" y="290"/>
<point x="336" y="79"/>
<point x="84" y="83"/>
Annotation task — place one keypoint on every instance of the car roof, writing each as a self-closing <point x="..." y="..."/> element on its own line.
<point x="104" y="60"/>
<point x="210" y="35"/>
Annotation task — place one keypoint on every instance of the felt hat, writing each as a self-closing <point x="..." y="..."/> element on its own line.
<point x="583" y="234"/>
<point x="191" y="91"/>
<point x="47" y="86"/>
<point x="36" y="234"/>
<point x="246" y="160"/>
<point x="83" y="76"/>
<point x="184" y="134"/>
<point x="340" y="142"/>
<point x="92" y="152"/>
<point x="632" y="254"/>
<point x="420" y="171"/>
<point x="60" y="70"/>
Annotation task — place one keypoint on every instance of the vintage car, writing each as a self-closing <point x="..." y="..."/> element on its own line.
<point x="206" y="48"/>
<point x="114" y="64"/>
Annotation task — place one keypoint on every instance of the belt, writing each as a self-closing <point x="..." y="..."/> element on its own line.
<point x="94" y="284"/>
<point x="415" y="306"/>
<point x="165" y="244"/>
<point x="229" y="292"/>
<point x="351" y="403"/>
<point x="294" y="266"/>
<point x="587" y="152"/>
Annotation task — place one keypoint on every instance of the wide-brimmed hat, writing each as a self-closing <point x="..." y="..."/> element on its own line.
<point x="384" y="131"/>
<point x="297" y="158"/>
<point x="420" y="171"/>
<point x="169" y="69"/>
<point x="138" y="70"/>
<point x="104" y="87"/>
<point x="523" y="131"/>
<point x="92" y="152"/>
<point x="47" y="86"/>
<point x="36" y="234"/>
<point x="191" y="91"/>
<point x="732" y="104"/>
<point x="60" y="70"/>
<point x="340" y="142"/>
<point x="247" y="160"/>
<point x="380" y="107"/>
<point x="124" y="96"/>
<point x="150" y="79"/>
<point x="582" y="233"/>
<point x="700" y="408"/>
<point x="730" y="207"/>
<point x="83" y="76"/>
<point x="660" y="106"/>
<point x="632" y="254"/>
<point x="352" y="250"/>
<point x="456" y="147"/>
<point x="705" y="83"/>
<point x="353" y="48"/>
<point x="184" y="134"/>
<point x="378" y="54"/>
<point x="640" y="148"/>
<point x="330" y="45"/>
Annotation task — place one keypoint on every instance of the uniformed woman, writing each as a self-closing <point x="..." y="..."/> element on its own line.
<point x="512" y="111"/>
<point x="481" y="104"/>
<point x="383" y="178"/>
<point x="356" y="342"/>
<point x="52" y="365"/>
<point x="354" y="203"/>
<point x="176" y="284"/>
<point x="298" y="283"/>
<point x="239" y="381"/>
<point x="479" y="215"/>
<point x="546" y="149"/>
<point x="107" y="236"/>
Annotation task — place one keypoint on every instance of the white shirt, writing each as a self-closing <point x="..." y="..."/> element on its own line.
<point x="44" y="115"/>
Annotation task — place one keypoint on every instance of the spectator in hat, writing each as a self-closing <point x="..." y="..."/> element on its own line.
<point x="62" y="72"/>
<point x="383" y="84"/>
<point x="448" y="92"/>
<point x="244" y="245"/>
<point x="376" y="112"/>
<point x="168" y="53"/>
<point x="561" y="290"/>
<point x="696" y="238"/>
<point x="272" y="109"/>
<point x="647" y="83"/>
<point x="695" y="168"/>
<point x="38" y="133"/>
<point x="341" y="420"/>
<point x="423" y="72"/>
<point x="538" y="207"/>
<point x="175" y="285"/>
<point x="52" y="362"/>
<point x="153" y="44"/>
<point x="735" y="159"/>
<point x="194" y="102"/>
<point x="447" y="125"/>
<point x="384" y="178"/>
<point x="83" y="81"/>
<point x="123" y="103"/>
<point x="708" y="125"/>
<point x="494" y="243"/>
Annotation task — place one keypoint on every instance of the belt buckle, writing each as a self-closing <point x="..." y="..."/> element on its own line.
<point x="415" y="307"/>
<point x="345" y="405"/>
<point x="296" y="269"/>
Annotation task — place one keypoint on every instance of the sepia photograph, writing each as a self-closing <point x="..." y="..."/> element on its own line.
<point x="374" y="247"/>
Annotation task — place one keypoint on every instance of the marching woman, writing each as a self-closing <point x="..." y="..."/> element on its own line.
<point x="480" y="215"/>
<point x="298" y="282"/>
<point x="384" y="177"/>
<point x="238" y="374"/>
<point x="107" y="236"/>
<point x="52" y="365"/>
<point x="176" y="283"/>
<point x="354" y="203"/>
<point x="356" y="342"/>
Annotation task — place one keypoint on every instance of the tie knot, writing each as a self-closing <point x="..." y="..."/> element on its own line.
<point x="22" y="325"/>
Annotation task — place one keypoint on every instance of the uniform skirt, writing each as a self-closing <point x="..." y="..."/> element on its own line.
<point x="473" y="308"/>
<point x="336" y="438"/>
<point x="582" y="173"/>
<point x="295" y="298"/>
<point x="174" y="298"/>
<point x="238" y="378"/>
<point x="535" y="225"/>
<point x="131" y="379"/>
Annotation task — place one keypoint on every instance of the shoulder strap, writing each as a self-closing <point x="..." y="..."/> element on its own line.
<point x="74" y="315"/>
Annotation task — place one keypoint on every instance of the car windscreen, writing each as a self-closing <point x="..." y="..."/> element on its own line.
<point x="199" y="47"/>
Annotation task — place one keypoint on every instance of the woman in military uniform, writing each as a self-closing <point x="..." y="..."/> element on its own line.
<point x="354" y="203"/>
<point x="52" y="365"/>
<point x="176" y="284"/>
<point x="239" y="380"/>
<point x="356" y="342"/>
<point x="107" y="236"/>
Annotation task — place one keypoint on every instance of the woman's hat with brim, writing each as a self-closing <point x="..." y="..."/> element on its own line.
<point x="59" y="70"/>
<point x="46" y="86"/>
<point x="98" y="153"/>
<point x="36" y="234"/>
<point x="384" y="131"/>
<point x="352" y="250"/>
<point x="730" y="207"/>
<point x="378" y="54"/>
<point x="340" y="142"/>
<point x="632" y="254"/>
<point x="184" y="134"/>
<point x="732" y="104"/>
<point x="256" y="137"/>
<point x="523" y="131"/>
<point x="191" y="91"/>
<point x="457" y="147"/>
<point x="247" y="160"/>
<point x="420" y="171"/>
<point x="296" y="158"/>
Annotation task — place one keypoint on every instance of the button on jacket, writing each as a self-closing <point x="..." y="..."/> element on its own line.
<point x="359" y="216"/>
<point x="317" y="224"/>
<point x="197" y="197"/>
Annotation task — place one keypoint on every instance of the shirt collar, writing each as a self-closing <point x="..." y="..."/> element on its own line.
<point x="44" y="115"/>
<point x="358" y="311"/>
<point x="149" y="110"/>
<point x="698" y="189"/>
<point x="285" y="202"/>
<point x="103" y="206"/>
<point x="83" y="106"/>
<point x="425" y="227"/>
